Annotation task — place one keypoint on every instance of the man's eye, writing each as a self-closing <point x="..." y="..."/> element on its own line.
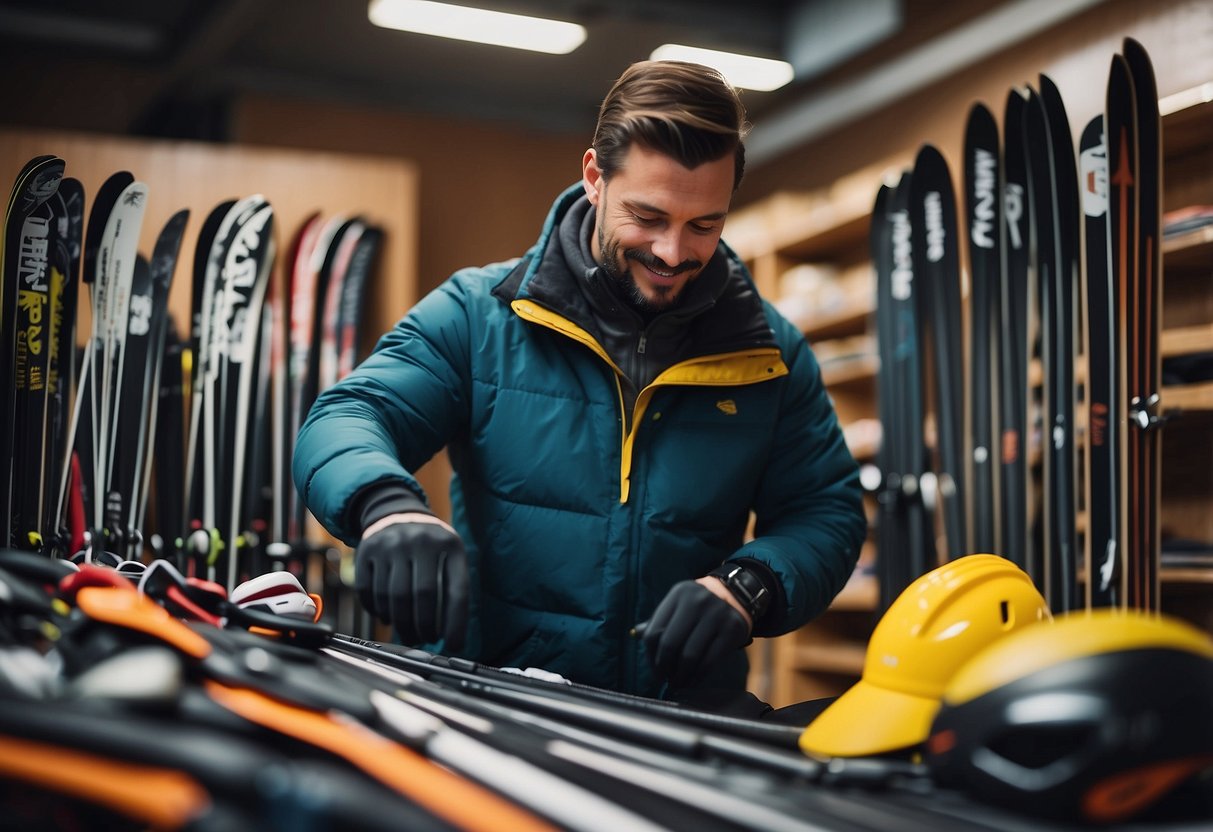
<point x="645" y="220"/>
<point x="702" y="229"/>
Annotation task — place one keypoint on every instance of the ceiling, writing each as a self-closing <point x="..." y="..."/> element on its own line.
<point x="188" y="57"/>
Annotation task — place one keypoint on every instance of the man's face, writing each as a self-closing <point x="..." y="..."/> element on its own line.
<point x="658" y="223"/>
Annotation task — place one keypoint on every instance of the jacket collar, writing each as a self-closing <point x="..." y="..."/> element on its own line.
<point x="727" y="313"/>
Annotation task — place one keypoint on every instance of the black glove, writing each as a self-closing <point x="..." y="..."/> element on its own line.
<point x="414" y="576"/>
<point x="691" y="630"/>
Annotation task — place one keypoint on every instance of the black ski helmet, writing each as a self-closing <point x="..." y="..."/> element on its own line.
<point x="1096" y="717"/>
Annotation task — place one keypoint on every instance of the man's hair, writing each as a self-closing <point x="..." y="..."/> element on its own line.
<point x="684" y="110"/>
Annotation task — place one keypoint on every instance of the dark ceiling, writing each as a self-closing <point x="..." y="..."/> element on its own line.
<point x="182" y="61"/>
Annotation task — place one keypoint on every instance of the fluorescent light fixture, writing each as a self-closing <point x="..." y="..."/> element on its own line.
<point x="477" y="25"/>
<point x="745" y="71"/>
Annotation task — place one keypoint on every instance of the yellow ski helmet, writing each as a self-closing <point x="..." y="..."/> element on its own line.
<point x="1096" y="717"/>
<point x="933" y="627"/>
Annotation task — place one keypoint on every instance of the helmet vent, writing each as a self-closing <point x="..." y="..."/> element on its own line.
<point x="1004" y="610"/>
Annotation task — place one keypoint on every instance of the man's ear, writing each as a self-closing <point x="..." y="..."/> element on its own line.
<point x="591" y="177"/>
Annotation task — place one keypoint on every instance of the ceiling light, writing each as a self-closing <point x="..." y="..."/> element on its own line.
<point x="743" y="71"/>
<point x="477" y="25"/>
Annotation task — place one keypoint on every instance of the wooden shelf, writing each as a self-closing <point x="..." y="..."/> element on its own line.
<point x="1185" y="575"/>
<point x="1188" y="397"/>
<point x="1186" y="340"/>
<point x="821" y="234"/>
<point x="1195" y="246"/>
<point x="851" y="370"/>
<point x="861" y="594"/>
<point x="841" y="657"/>
<point x="841" y="323"/>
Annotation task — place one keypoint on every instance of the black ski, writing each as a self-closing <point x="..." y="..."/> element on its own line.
<point x="65" y="289"/>
<point x="937" y="268"/>
<point x="983" y="192"/>
<point x="1061" y="456"/>
<point x="163" y="268"/>
<point x="24" y="292"/>
<point x="362" y="266"/>
<point x="246" y="266"/>
<point x="1103" y="400"/>
<point x="907" y="548"/>
<point x="1057" y="372"/>
<point x="194" y="543"/>
<point x="1013" y="349"/>
<point x="1145" y="394"/>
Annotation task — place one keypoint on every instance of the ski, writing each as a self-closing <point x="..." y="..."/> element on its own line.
<point x="343" y="247"/>
<point x="1056" y="370"/>
<point x="116" y="260"/>
<point x="301" y="298"/>
<point x="906" y="549"/>
<point x="983" y="190"/>
<point x="362" y="264"/>
<point x="31" y="261"/>
<point x="1103" y="464"/>
<point x="1062" y="466"/>
<point x="1120" y="122"/>
<point x="194" y="545"/>
<point x="61" y="377"/>
<point x="130" y="417"/>
<point x="890" y="560"/>
<point x="169" y="451"/>
<point x="78" y="484"/>
<point x="208" y="462"/>
<point x="1013" y="348"/>
<point x="163" y="266"/>
<point x="937" y="268"/>
<point x="246" y="265"/>
<point x="24" y="292"/>
<point x="1145" y="394"/>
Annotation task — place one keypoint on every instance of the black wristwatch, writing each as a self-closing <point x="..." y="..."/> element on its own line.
<point x="746" y="587"/>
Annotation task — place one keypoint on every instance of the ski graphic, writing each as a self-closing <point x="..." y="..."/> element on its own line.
<point x="983" y="189"/>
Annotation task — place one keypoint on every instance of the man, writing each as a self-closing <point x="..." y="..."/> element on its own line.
<point x="615" y="404"/>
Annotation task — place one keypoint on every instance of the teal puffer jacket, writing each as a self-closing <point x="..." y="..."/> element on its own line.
<point x="577" y="521"/>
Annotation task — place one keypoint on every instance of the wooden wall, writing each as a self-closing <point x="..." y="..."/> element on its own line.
<point x="483" y="190"/>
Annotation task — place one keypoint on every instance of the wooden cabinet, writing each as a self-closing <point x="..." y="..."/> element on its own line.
<point x="819" y="240"/>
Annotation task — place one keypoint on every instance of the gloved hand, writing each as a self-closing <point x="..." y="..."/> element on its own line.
<point x="690" y="631"/>
<point x="410" y="570"/>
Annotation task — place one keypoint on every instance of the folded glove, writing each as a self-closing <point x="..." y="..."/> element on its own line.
<point x="410" y="571"/>
<point x="691" y="630"/>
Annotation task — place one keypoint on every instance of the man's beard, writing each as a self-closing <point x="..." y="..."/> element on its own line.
<point x="616" y="269"/>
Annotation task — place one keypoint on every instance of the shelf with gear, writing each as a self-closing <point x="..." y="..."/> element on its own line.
<point x="809" y="253"/>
